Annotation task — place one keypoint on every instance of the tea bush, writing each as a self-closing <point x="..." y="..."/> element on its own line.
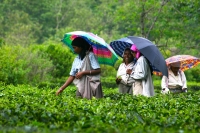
<point x="28" y="109"/>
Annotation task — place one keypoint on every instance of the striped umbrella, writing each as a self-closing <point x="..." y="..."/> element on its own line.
<point x="101" y="49"/>
<point x="186" y="61"/>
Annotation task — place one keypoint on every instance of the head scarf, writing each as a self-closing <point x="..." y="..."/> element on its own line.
<point x="134" y="49"/>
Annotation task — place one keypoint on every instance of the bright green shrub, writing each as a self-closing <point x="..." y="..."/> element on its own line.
<point x="19" y="65"/>
<point x="62" y="59"/>
<point x="12" y="66"/>
<point x="193" y="74"/>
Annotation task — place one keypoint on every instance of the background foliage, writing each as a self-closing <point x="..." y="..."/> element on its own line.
<point x="31" y="31"/>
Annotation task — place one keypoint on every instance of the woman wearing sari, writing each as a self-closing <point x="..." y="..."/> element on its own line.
<point x="85" y="71"/>
<point x="142" y="75"/>
<point x="123" y="80"/>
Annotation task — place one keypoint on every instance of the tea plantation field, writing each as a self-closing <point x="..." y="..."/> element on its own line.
<point x="26" y="109"/>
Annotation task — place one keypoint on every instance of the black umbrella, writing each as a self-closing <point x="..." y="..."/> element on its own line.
<point x="146" y="47"/>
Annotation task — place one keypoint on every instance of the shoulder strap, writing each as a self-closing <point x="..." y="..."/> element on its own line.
<point x="180" y="74"/>
<point x="86" y="61"/>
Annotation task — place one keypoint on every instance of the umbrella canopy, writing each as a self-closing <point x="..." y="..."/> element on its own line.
<point x="147" y="48"/>
<point x="104" y="53"/>
<point x="185" y="61"/>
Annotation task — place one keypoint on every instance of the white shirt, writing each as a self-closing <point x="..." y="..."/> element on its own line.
<point x="121" y="72"/>
<point x="174" y="81"/>
<point x="78" y="63"/>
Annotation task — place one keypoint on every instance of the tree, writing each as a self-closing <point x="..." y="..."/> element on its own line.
<point x="21" y="30"/>
<point x="154" y="20"/>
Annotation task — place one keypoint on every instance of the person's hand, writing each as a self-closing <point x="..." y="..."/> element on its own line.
<point x="184" y="89"/>
<point x="79" y="75"/>
<point x="165" y="91"/>
<point x="59" y="91"/>
<point x="118" y="80"/>
<point x="129" y="71"/>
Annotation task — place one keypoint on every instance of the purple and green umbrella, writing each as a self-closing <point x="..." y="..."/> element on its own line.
<point x="104" y="53"/>
<point x="186" y="61"/>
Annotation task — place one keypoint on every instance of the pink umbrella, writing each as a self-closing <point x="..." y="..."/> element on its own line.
<point x="186" y="61"/>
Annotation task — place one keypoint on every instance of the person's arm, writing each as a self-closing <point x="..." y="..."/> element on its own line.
<point x="164" y="85"/>
<point x="88" y="72"/>
<point x="71" y="77"/>
<point x="65" y="85"/>
<point x="119" y="74"/>
<point x="95" y="67"/>
<point x="140" y="69"/>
